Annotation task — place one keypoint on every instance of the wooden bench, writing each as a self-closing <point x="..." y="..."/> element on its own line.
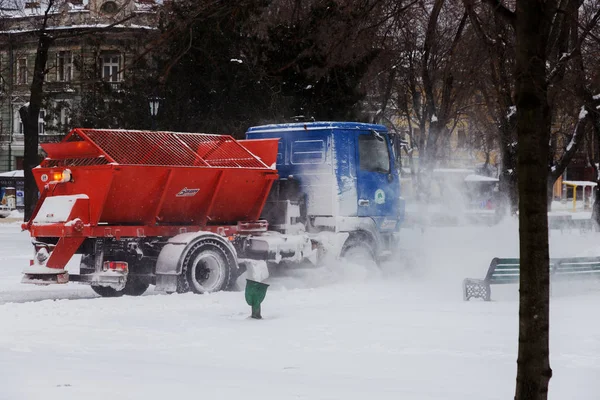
<point x="506" y="270"/>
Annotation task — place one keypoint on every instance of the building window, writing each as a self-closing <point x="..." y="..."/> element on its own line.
<point x="111" y="64"/>
<point x="110" y="7"/>
<point x="64" y="116"/>
<point x="64" y="64"/>
<point x="19" y="160"/>
<point x="17" y="123"/>
<point x="42" y="122"/>
<point x="22" y="71"/>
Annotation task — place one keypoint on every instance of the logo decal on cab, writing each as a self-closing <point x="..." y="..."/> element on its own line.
<point x="185" y="192"/>
<point x="379" y="196"/>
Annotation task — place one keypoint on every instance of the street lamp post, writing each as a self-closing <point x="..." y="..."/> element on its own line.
<point x="154" y="103"/>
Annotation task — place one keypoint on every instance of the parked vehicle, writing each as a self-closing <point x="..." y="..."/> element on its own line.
<point x="4" y="211"/>
<point x="191" y="211"/>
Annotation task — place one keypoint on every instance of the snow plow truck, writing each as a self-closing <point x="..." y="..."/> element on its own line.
<point x="193" y="211"/>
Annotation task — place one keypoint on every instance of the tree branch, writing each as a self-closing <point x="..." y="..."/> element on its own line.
<point x="500" y="9"/>
<point x="573" y="146"/>
<point x="474" y="18"/>
<point x="552" y="75"/>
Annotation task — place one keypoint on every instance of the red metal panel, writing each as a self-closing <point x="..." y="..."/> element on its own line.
<point x="142" y="148"/>
<point x="94" y="181"/>
<point x="155" y="217"/>
<point x="71" y="150"/>
<point x="220" y="151"/>
<point x="265" y="149"/>
<point x="239" y="193"/>
<point x="81" y="210"/>
<point x="215" y="194"/>
<point x="188" y="194"/>
<point x="64" y="250"/>
<point x="44" y="193"/>
<point x="119" y="231"/>
<point x="262" y="198"/>
<point x="68" y="244"/>
<point x="75" y="162"/>
<point x="102" y="146"/>
<point x="133" y="195"/>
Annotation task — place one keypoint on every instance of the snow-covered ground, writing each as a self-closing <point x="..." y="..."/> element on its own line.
<point x="338" y="332"/>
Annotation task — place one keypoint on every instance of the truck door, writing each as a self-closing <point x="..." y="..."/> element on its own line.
<point x="378" y="184"/>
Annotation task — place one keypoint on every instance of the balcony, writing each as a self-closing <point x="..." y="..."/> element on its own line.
<point x="114" y="87"/>
<point x="60" y="87"/>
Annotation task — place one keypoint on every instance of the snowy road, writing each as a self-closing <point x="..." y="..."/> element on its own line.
<point x="332" y="333"/>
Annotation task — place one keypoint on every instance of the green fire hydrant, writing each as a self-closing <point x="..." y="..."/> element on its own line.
<point x="255" y="294"/>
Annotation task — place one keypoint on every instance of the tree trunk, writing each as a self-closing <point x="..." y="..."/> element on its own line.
<point x="595" y="157"/>
<point x="533" y="129"/>
<point x="29" y="116"/>
<point x="503" y="104"/>
<point x="508" y="182"/>
<point x="550" y="192"/>
<point x="561" y="165"/>
<point x="596" y="207"/>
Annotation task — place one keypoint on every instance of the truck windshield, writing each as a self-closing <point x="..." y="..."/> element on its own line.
<point x="373" y="154"/>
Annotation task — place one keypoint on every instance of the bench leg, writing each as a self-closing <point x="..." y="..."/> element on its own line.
<point x="476" y="288"/>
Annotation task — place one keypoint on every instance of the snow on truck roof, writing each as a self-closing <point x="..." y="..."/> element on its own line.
<point x="301" y="126"/>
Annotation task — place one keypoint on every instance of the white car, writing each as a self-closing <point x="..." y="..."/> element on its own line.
<point x="4" y="211"/>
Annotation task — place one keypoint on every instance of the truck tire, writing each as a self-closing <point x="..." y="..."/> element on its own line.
<point x="133" y="287"/>
<point x="107" y="291"/>
<point x="208" y="267"/>
<point x="358" y="250"/>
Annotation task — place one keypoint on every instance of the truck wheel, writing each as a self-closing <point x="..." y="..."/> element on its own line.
<point x="133" y="287"/>
<point x="357" y="251"/>
<point x="207" y="268"/>
<point x="107" y="291"/>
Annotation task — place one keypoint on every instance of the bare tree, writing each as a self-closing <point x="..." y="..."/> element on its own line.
<point x="575" y="87"/>
<point x="30" y="113"/>
<point x="533" y="21"/>
<point x="432" y="83"/>
<point x="42" y="26"/>
<point x="542" y="31"/>
<point x="566" y="84"/>
<point x="497" y="87"/>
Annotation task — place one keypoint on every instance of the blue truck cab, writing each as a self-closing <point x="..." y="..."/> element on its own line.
<point x="343" y="177"/>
